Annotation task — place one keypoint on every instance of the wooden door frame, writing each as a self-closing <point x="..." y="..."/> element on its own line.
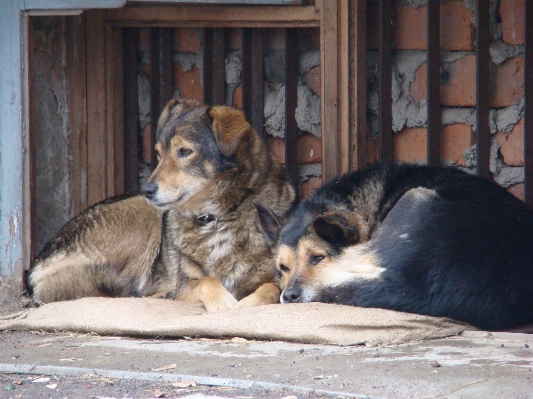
<point x="343" y="99"/>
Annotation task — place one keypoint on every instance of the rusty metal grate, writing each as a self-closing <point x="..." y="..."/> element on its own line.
<point x="483" y="135"/>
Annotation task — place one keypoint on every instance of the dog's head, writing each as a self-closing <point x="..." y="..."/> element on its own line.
<point x="318" y="250"/>
<point x="195" y="146"/>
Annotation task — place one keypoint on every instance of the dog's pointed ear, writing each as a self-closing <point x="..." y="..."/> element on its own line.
<point x="173" y="110"/>
<point x="165" y="113"/>
<point x="229" y="126"/>
<point x="336" y="230"/>
<point x="270" y="222"/>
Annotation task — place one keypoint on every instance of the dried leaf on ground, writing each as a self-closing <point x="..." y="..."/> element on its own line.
<point x="42" y="379"/>
<point x="167" y="367"/>
<point x="184" y="384"/>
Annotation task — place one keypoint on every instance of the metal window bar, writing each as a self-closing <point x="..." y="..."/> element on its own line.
<point x="131" y="111"/>
<point x="214" y="67"/>
<point x="291" y="101"/>
<point x="252" y="77"/>
<point x="160" y="79"/>
<point x="433" y="83"/>
<point x="482" y="89"/>
<point x="385" y="80"/>
<point x="528" y="111"/>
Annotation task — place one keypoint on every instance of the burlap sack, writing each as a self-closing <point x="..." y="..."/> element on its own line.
<point x="315" y="323"/>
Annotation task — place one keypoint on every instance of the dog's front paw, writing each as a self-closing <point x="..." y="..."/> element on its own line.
<point x="214" y="296"/>
<point x="221" y="301"/>
<point x="265" y="295"/>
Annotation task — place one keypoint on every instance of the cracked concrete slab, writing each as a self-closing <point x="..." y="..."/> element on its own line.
<point x="476" y="364"/>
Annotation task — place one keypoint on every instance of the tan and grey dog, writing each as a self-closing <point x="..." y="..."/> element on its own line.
<point x="198" y="238"/>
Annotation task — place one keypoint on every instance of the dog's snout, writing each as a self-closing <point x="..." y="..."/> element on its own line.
<point x="291" y="295"/>
<point x="149" y="190"/>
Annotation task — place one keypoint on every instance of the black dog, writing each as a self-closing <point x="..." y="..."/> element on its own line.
<point x="433" y="241"/>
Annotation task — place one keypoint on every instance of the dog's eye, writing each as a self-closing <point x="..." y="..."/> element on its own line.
<point x="184" y="152"/>
<point x="284" y="269"/>
<point x="315" y="259"/>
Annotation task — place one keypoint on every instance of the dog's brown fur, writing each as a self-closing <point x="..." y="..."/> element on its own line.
<point x="105" y="251"/>
<point x="201" y="238"/>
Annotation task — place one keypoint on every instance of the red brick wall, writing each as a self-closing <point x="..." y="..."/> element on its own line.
<point x="458" y="91"/>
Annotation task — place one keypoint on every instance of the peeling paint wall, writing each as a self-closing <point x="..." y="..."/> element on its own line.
<point x="12" y="142"/>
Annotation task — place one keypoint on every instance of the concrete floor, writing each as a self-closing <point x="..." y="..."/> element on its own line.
<point x="475" y="365"/>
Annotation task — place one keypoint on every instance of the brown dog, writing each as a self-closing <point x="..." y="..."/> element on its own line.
<point x="199" y="238"/>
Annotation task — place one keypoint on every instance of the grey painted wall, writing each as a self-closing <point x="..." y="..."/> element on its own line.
<point x="11" y="139"/>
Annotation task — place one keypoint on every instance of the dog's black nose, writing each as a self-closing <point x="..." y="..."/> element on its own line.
<point x="149" y="190"/>
<point x="292" y="295"/>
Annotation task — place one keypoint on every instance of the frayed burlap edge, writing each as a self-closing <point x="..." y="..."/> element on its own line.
<point x="313" y="323"/>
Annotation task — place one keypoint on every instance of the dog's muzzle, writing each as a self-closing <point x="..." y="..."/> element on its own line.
<point x="291" y="295"/>
<point x="149" y="190"/>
